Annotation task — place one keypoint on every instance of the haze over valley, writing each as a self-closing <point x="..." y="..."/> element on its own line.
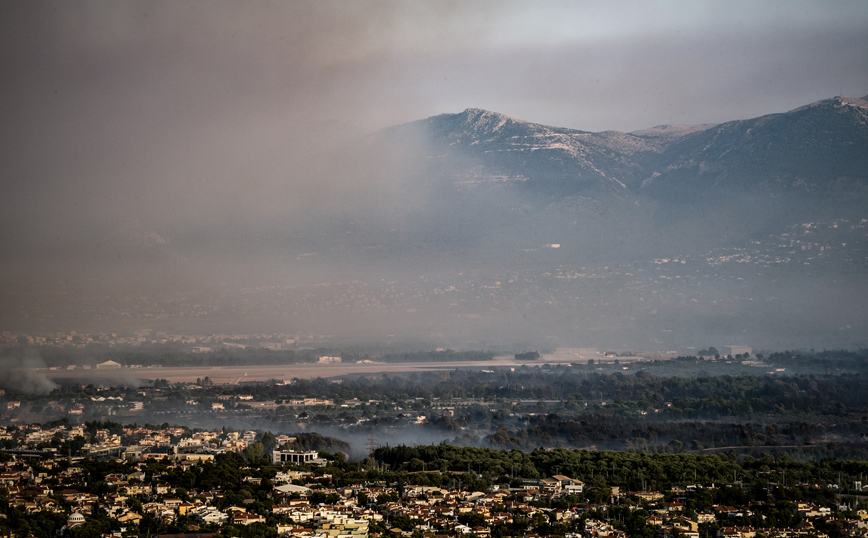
<point x="495" y="176"/>
<point x="499" y="231"/>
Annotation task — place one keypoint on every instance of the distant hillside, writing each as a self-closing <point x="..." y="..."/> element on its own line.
<point x="763" y="174"/>
<point x="820" y="149"/>
<point x="486" y="147"/>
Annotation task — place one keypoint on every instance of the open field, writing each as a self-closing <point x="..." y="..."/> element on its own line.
<point x="238" y="374"/>
<point x="241" y="373"/>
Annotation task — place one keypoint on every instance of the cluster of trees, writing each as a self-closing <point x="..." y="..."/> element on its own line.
<point x="825" y="360"/>
<point x="623" y="432"/>
<point x="693" y="397"/>
<point x="632" y="471"/>
<point x="316" y="441"/>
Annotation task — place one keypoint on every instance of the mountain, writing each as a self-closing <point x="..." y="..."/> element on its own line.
<point x="477" y="147"/>
<point x="820" y="149"/>
<point x="739" y="178"/>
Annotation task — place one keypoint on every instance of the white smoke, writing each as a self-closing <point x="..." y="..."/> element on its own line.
<point x="22" y="374"/>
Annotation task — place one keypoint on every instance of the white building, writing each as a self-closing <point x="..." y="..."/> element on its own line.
<point x="298" y="457"/>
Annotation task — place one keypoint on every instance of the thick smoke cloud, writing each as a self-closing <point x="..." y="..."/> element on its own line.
<point x="197" y="116"/>
<point x="159" y="148"/>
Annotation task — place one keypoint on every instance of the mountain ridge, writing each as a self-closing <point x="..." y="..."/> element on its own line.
<point x="795" y="152"/>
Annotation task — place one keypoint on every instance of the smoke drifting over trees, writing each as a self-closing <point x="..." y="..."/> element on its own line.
<point x="19" y="373"/>
<point x="813" y="399"/>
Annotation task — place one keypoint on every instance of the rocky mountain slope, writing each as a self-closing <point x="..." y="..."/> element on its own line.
<point x="820" y="150"/>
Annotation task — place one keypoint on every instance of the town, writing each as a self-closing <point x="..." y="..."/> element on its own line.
<point x="130" y="480"/>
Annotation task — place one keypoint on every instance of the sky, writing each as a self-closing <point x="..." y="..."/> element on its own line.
<point x="180" y="118"/>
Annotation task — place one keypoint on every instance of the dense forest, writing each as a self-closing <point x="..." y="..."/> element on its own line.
<point x="631" y="471"/>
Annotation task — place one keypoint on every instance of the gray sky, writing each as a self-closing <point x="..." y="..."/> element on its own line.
<point x="185" y="117"/>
